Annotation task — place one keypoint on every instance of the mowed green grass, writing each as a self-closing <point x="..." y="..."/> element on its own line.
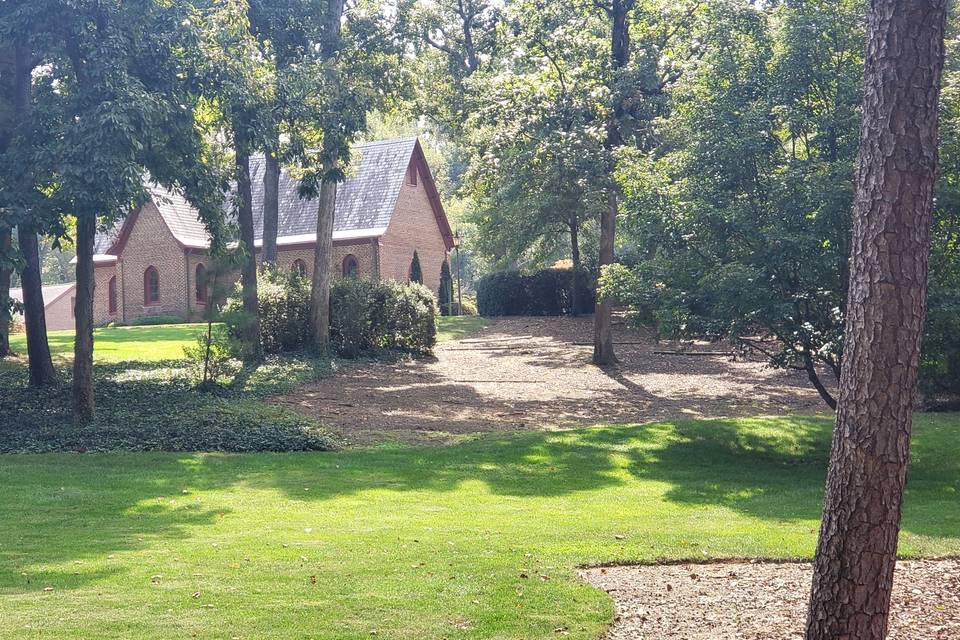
<point x="476" y="540"/>
<point x="166" y="342"/>
<point x="122" y="344"/>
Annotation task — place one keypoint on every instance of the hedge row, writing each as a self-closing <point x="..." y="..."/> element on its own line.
<point x="548" y="292"/>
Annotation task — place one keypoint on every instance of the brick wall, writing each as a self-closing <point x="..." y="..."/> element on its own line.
<point x="101" y="294"/>
<point x="365" y="251"/>
<point x="413" y="227"/>
<point x="59" y="313"/>
<point x="151" y="244"/>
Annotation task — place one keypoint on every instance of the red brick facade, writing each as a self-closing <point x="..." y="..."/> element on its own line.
<point x="146" y="242"/>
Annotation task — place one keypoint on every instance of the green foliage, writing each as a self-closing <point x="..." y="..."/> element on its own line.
<point x="547" y="292"/>
<point x="445" y="293"/>
<point x="152" y="321"/>
<point x="940" y="362"/>
<point x="368" y="317"/>
<point x="211" y="359"/>
<point x="416" y="271"/>
<point x="284" y="310"/>
<point x="155" y="407"/>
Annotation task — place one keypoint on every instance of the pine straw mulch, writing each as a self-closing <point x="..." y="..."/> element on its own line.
<point x="764" y="600"/>
<point x="535" y="373"/>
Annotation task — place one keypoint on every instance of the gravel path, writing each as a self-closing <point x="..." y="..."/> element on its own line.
<point x="764" y="601"/>
<point x="535" y="373"/>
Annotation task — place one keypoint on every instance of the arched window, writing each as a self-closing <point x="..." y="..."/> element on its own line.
<point x="112" y="294"/>
<point x="299" y="267"/>
<point x="201" y="284"/>
<point x="151" y="286"/>
<point x="351" y="268"/>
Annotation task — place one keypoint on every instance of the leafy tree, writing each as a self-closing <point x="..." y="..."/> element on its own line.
<point x="416" y="271"/>
<point x="121" y="106"/>
<point x="357" y="71"/>
<point x="286" y="32"/>
<point x="743" y="223"/>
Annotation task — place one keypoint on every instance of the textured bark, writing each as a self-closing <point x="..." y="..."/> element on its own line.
<point x="617" y="12"/>
<point x="83" y="401"/>
<point x="574" y="225"/>
<point x="271" y="208"/>
<point x="5" y="272"/>
<point x="896" y="170"/>
<point x="38" y="350"/>
<point x="248" y="271"/>
<point x="320" y="293"/>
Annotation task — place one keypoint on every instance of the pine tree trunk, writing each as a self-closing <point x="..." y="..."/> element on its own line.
<point x="5" y="273"/>
<point x="856" y="555"/>
<point x="322" y="260"/>
<point x="248" y="271"/>
<point x="271" y="208"/>
<point x="38" y="350"/>
<point x="83" y="402"/>
<point x="618" y="13"/>
<point x="575" y="258"/>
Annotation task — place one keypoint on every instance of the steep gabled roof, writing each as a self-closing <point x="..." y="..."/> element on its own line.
<point x="366" y="201"/>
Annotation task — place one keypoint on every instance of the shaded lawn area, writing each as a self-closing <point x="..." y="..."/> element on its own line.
<point x="476" y="540"/>
<point x="457" y="327"/>
<point x="146" y="400"/>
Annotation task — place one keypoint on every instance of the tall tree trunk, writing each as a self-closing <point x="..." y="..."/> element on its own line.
<point x="248" y="272"/>
<point x="322" y="258"/>
<point x="271" y="207"/>
<point x="5" y="273"/>
<point x="38" y="350"/>
<point x="896" y="171"/>
<point x="83" y="402"/>
<point x="574" y="225"/>
<point x="617" y="12"/>
<point x="323" y="253"/>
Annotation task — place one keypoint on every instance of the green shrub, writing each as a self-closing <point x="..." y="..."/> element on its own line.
<point x="283" y="306"/>
<point x="467" y="308"/>
<point x="151" y="321"/>
<point x="367" y="316"/>
<point x="940" y="362"/>
<point x="445" y="293"/>
<point x="548" y="292"/>
<point x="212" y="359"/>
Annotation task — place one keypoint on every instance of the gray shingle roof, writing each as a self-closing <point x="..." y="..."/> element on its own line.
<point x="365" y="200"/>
<point x="50" y="292"/>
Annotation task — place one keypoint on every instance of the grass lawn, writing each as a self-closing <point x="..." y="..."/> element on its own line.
<point x="166" y="342"/>
<point x="476" y="540"/>
<point x="120" y="344"/>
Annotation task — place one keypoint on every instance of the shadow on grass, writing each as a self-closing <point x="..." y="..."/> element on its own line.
<point x="58" y="508"/>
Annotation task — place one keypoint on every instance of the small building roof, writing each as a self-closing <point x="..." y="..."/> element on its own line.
<point x="51" y="293"/>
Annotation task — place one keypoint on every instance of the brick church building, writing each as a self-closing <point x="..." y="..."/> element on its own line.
<point x="153" y="263"/>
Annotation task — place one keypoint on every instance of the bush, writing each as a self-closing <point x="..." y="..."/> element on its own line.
<point x="283" y="305"/>
<point x="367" y="316"/>
<point x="212" y="359"/>
<point x="467" y="308"/>
<point x="151" y="321"/>
<point x="940" y="362"/>
<point x="548" y="292"/>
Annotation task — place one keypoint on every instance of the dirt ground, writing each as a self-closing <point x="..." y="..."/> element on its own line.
<point x="535" y="373"/>
<point x="764" y="601"/>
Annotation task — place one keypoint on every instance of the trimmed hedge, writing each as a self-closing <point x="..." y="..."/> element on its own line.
<point x="548" y="292"/>
<point x="367" y="316"/>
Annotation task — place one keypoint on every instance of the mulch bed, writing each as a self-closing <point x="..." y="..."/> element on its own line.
<point x="535" y="373"/>
<point x="764" y="601"/>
